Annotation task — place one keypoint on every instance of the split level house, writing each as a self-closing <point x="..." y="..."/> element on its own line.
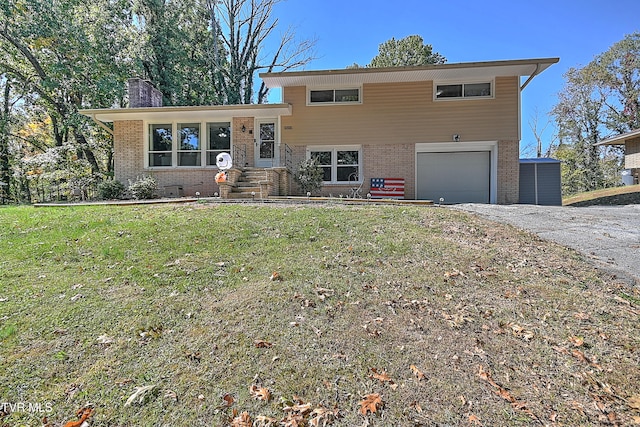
<point x="446" y="131"/>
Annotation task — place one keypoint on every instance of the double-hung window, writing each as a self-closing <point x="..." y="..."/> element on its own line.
<point x="160" y="145"/>
<point x="189" y="150"/>
<point x="340" y="164"/>
<point x="218" y="140"/>
<point x="464" y="90"/>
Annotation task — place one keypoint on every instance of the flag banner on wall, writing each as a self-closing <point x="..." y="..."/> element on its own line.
<point x="387" y="188"/>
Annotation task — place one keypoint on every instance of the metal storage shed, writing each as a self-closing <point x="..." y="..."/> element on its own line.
<point x="540" y="182"/>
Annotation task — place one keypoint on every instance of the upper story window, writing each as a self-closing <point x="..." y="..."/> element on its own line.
<point x="335" y="96"/>
<point x="464" y="90"/>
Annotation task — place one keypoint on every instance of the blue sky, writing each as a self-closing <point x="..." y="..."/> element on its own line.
<point x="349" y="31"/>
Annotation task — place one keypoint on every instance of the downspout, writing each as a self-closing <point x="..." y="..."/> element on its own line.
<point x="102" y="125"/>
<point x="535" y="73"/>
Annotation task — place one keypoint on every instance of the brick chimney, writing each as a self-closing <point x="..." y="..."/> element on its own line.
<point x="143" y="94"/>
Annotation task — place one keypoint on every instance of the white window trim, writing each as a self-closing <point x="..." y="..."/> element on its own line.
<point x="315" y="104"/>
<point x="491" y="82"/>
<point x="334" y="158"/>
<point x="175" y="143"/>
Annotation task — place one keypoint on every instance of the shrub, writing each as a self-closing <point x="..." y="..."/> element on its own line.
<point x="110" y="189"/>
<point x="309" y="176"/>
<point x="143" y="188"/>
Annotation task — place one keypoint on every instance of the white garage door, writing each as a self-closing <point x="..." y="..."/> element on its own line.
<point x="458" y="177"/>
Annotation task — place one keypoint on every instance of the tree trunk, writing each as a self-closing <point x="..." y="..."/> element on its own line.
<point x="86" y="151"/>
<point x="5" y="173"/>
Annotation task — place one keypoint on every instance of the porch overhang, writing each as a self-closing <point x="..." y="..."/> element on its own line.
<point x="198" y="113"/>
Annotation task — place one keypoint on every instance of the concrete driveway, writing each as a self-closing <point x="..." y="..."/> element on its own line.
<point x="608" y="235"/>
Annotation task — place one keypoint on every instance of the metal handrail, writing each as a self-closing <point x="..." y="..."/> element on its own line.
<point x="288" y="156"/>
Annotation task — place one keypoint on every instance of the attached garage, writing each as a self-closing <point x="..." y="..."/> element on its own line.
<point x="457" y="173"/>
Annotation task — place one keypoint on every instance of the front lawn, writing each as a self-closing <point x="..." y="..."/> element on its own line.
<point x="217" y="315"/>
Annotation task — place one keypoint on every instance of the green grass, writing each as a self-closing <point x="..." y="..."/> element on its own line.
<point x="96" y="301"/>
<point x="627" y="195"/>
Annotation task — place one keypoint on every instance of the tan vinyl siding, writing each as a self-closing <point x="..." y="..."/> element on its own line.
<point x="400" y="113"/>
<point x="632" y="154"/>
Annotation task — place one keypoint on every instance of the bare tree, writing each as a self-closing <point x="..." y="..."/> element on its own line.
<point x="538" y="134"/>
<point x="244" y="27"/>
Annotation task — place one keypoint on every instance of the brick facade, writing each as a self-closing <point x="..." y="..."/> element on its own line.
<point x="128" y="150"/>
<point x="508" y="172"/>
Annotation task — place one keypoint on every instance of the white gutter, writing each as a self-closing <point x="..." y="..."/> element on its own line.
<point x="535" y="73"/>
<point x="101" y="124"/>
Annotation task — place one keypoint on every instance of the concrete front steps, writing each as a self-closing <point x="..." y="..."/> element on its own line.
<point x="248" y="185"/>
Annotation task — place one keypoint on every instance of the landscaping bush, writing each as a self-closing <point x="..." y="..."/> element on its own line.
<point x="309" y="176"/>
<point x="110" y="189"/>
<point x="143" y="188"/>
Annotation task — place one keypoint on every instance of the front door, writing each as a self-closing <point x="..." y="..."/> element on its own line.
<point x="265" y="152"/>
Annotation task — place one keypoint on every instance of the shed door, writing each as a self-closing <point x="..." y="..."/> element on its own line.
<point x="458" y="177"/>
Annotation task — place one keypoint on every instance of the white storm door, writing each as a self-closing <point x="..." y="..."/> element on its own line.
<point x="265" y="146"/>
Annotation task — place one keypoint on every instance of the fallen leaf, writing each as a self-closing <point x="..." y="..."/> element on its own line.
<point x="194" y="357"/>
<point x="321" y="416"/>
<point x="417" y="372"/>
<point x="634" y="402"/>
<point x="475" y="420"/>
<point x="170" y="394"/>
<point x="292" y="420"/>
<point x="581" y="316"/>
<point x="83" y="415"/>
<point x="260" y="393"/>
<point x="521" y="332"/>
<point x="262" y="344"/>
<point x="584" y="358"/>
<point x="275" y="276"/>
<point x="263" y="421"/>
<point x="300" y="407"/>
<point x="140" y="394"/>
<point x="228" y="400"/>
<point x="371" y="403"/>
<point x="242" y="420"/>
<point x="104" y="339"/>
<point x="576" y="341"/>
<point x="382" y="375"/>
<point x="505" y="395"/>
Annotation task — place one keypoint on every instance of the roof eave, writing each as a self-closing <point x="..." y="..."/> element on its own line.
<point x="521" y="67"/>
<point x="209" y="112"/>
<point x="620" y="139"/>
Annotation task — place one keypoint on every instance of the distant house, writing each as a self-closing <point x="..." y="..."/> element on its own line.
<point x="631" y="142"/>
<point x="448" y="131"/>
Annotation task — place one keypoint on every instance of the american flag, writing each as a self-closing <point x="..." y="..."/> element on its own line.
<point x="387" y="188"/>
